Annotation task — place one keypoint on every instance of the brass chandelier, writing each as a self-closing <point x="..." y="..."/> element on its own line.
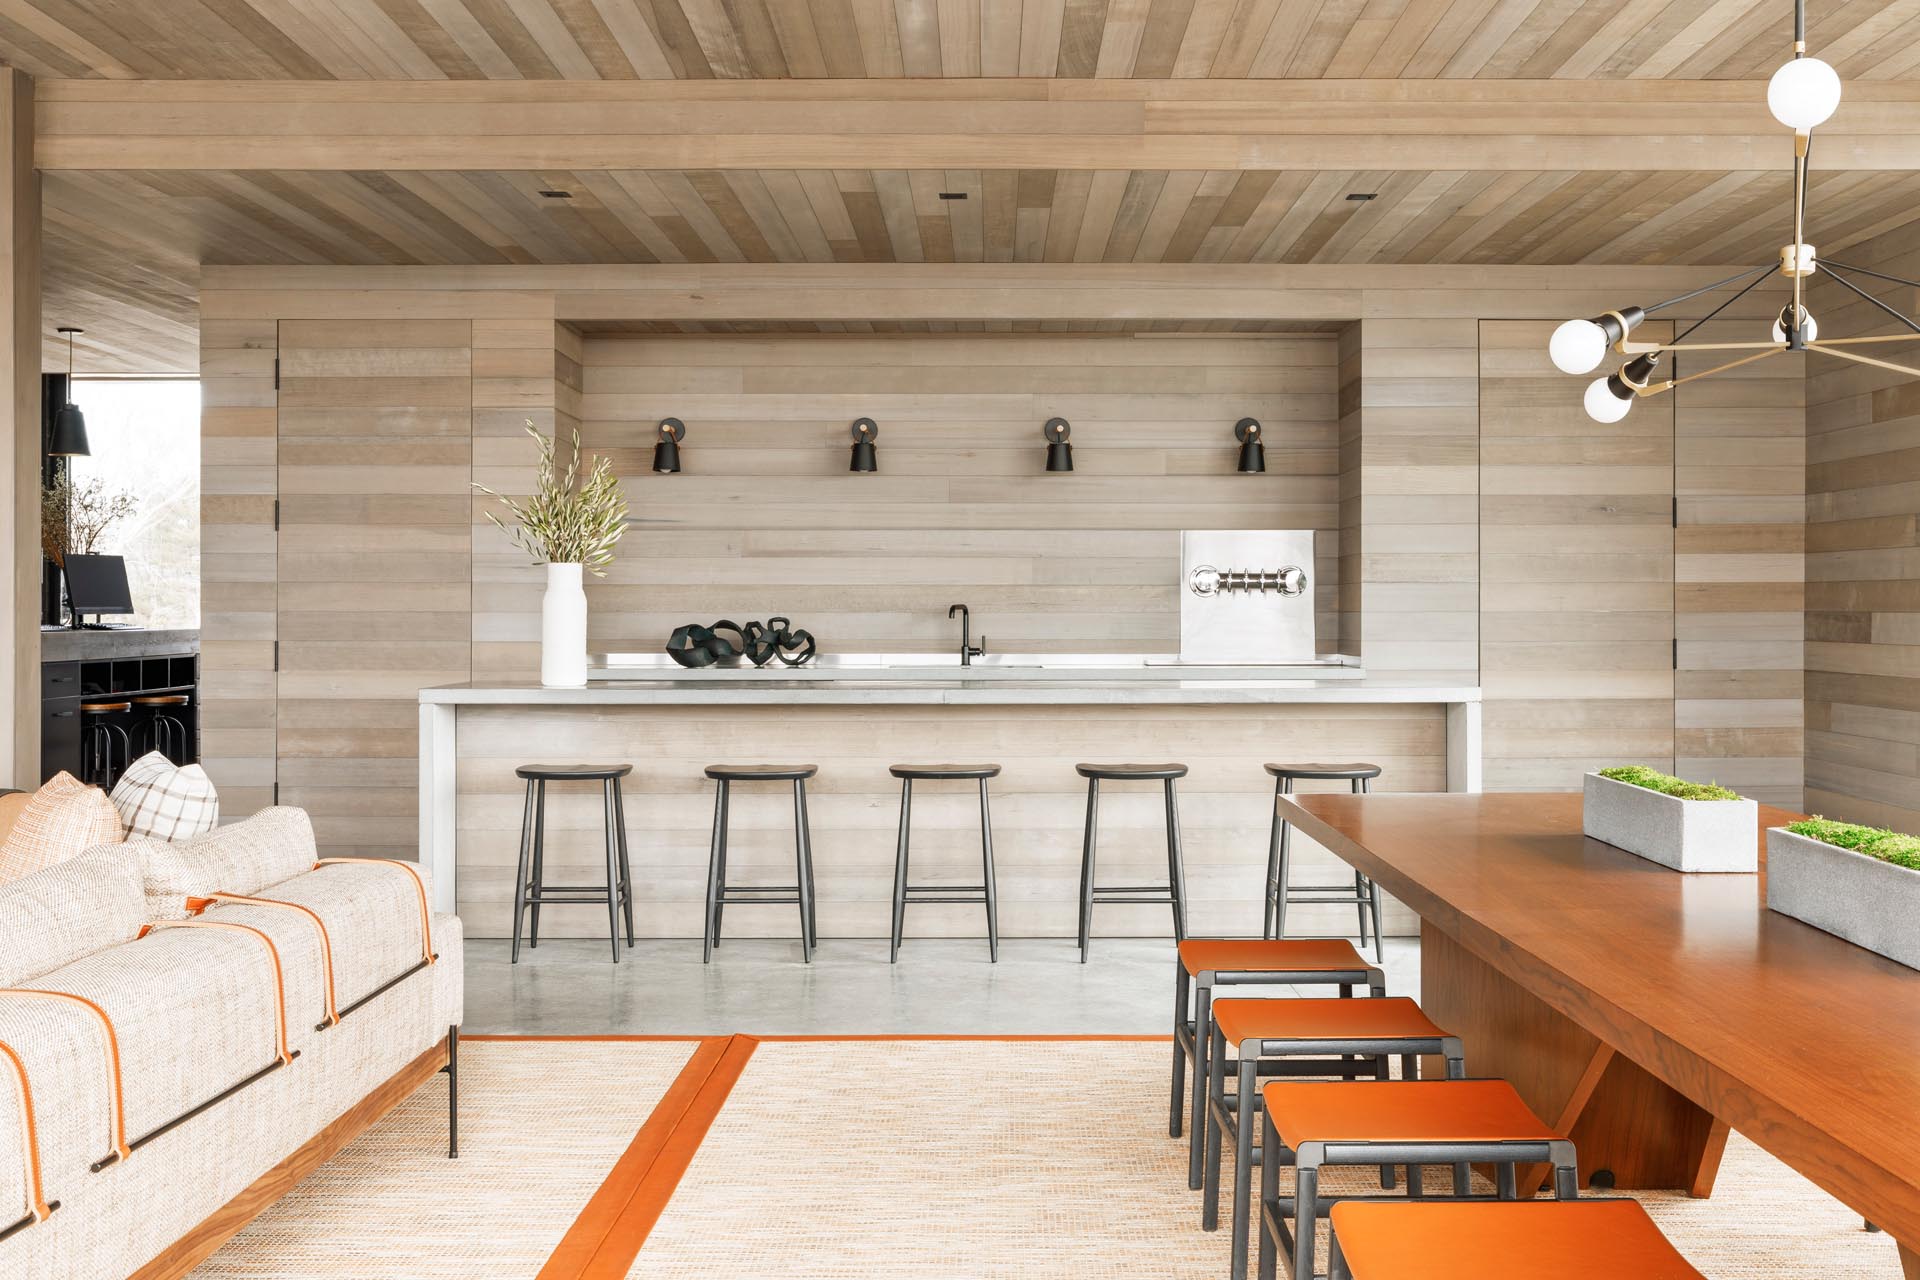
<point x="1801" y="95"/>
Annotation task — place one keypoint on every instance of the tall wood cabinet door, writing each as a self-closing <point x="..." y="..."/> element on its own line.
<point x="1576" y="570"/>
<point x="239" y="484"/>
<point x="374" y="564"/>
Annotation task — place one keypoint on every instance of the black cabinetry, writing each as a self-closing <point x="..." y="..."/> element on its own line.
<point x="69" y="684"/>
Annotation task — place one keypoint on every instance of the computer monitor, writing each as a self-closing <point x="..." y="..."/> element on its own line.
<point x="98" y="585"/>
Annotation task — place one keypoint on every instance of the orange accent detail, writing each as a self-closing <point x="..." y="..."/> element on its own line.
<point x="1292" y="1018"/>
<point x="41" y="1209"/>
<point x="273" y="954"/>
<point x="119" y="1119"/>
<point x="1254" y="955"/>
<point x="426" y="910"/>
<point x="606" y="1238"/>
<point x="332" y="1015"/>
<point x="1401" y="1111"/>
<point x="1553" y="1240"/>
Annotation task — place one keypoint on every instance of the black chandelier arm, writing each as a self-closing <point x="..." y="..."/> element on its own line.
<point x="1877" y="275"/>
<point x="1749" y="288"/>
<point x="1841" y="279"/>
<point x="1709" y="288"/>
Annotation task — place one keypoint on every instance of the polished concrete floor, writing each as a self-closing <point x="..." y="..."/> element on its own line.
<point x="760" y="987"/>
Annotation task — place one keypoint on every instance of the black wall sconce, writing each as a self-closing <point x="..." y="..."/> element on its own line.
<point x="666" y="454"/>
<point x="865" y="432"/>
<point x="1253" y="454"/>
<point x="1059" y="453"/>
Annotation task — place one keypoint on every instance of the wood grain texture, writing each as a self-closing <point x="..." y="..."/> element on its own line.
<point x="20" y="471"/>
<point x="204" y="1240"/>
<point x="1690" y="977"/>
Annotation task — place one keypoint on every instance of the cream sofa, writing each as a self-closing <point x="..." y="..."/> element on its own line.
<point x="234" y="1079"/>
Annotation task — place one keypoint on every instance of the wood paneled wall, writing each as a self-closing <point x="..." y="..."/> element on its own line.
<point x="765" y="518"/>
<point x="1863" y="558"/>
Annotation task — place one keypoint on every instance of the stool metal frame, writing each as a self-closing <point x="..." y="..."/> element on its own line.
<point x="530" y="889"/>
<point x="904" y="892"/>
<point x="1191" y="1045"/>
<point x="720" y="893"/>
<point x="97" y="762"/>
<point x="1364" y="894"/>
<point x="1309" y="1205"/>
<point x="1174" y="892"/>
<point x="1300" y="1057"/>
<point x="161" y="732"/>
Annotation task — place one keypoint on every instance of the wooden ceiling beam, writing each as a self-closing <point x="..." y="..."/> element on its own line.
<point x="1344" y="125"/>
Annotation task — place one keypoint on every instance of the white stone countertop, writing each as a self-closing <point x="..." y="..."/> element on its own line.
<point x="1080" y="688"/>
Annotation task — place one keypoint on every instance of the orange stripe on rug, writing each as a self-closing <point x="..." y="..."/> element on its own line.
<point x="606" y="1237"/>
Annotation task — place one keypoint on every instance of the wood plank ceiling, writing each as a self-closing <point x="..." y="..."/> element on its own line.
<point x="659" y="39"/>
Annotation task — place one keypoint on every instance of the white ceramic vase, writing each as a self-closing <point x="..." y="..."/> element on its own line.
<point x="563" y="629"/>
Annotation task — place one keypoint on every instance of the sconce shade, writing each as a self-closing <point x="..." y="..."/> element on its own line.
<point x="666" y="454"/>
<point x="865" y="431"/>
<point x="1059" y="450"/>
<point x="1253" y="454"/>
<point x="69" y="434"/>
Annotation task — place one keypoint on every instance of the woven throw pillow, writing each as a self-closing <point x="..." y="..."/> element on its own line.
<point x="64" y="817"/>
<point x="165" y="801"/>
<point x="67" y="912"/>
<point x="244" y="857"/>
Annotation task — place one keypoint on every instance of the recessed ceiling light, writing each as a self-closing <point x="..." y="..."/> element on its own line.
<point x="953" y="195"/>
<point x="568" y="195"/>
<point x="1361" y="195"/>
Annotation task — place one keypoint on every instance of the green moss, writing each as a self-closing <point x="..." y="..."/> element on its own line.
<point x="1888" y="846"/>
<point x="1666" y="784"/>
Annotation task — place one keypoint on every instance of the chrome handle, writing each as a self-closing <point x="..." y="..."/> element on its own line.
<point x="1205" y="580"/>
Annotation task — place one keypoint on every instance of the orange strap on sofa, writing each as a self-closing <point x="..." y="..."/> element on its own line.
<point x="39" y="1209"/>
<point x="331" y="1017"/>
<point x="116" y="1095"/>
<point x="273" y="954"/>
<point x="420" y="886"/>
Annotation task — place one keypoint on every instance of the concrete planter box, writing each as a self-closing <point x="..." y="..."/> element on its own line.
<point x="1687" y="835"/>
<point x="1870" y="903"/>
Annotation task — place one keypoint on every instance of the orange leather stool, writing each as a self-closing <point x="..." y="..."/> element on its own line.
<point x="1554" y="1240"/>
<point x="1311" y="1124"/>
<point x="1205" y="963"/>
<point x="1300" y="1037"/>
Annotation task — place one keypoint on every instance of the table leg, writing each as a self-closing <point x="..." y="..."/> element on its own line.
<point x="1910" y="1262"/>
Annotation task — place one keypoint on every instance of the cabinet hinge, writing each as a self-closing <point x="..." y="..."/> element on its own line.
<point x="276" y="792"/>
<point x="276" y="655"/>
<point x="276" y="515"/>
<point x="1676" y="513"/>
<point x="276" y="373"/>
<point x="1676" y="653"/>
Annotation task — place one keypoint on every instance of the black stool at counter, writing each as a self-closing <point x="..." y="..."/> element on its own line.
<point x="1174" y="892"/>
<point x="530" y="888"/>
<point x="1364" y="893"/>
<point x="903" y="892"/>
<point x="163" y="730"/>
<point x="100" y="723"/>
<point x="719" y="894"/>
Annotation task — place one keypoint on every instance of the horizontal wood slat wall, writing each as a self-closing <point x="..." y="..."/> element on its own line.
<point x="1577" y="567"/>
<point x="765" y="519"/>
<point x="1863" y="557"/>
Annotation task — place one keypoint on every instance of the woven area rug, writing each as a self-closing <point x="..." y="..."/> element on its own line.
<point x="542" y="1122"/>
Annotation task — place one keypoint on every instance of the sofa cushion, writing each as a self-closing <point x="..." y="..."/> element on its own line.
<point x="63" y="817"/>
<point x="273" y="845"/>
<point x="72" y="909"/>
<point x="157" y="798"/>
<point x="11" y="803"/>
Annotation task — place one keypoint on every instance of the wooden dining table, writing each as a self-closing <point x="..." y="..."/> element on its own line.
<point x="1642" y="1011"/>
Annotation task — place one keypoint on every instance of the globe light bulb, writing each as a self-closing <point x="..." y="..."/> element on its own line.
<point x="1803" y="93"/>
<point x="1603" y="405"/>
<point x="1578" y="346"/>
<point x="1780" y="327"/>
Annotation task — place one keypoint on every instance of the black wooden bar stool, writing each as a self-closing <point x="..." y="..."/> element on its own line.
<point x="163" y="730"/>
<point x="719" y="893"/>
<point x="903" y="892"/>
<point x="530" y="887"/>
<point x="1364" y="894"/>
<point x="1174" y="891"/>
<point x="100" y="722"/>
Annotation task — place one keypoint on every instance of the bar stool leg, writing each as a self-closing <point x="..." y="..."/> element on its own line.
<point x="539" y="862"/>
<point x="626" y="870"/>
<point x="1286" y="863"/>
<point x="986" y="861"/>
<point x="1269" y="1194"/>
<point x="1267" y="922"/>
<point x="1373" y="898"/>
<point x="1306" y="1218"/>
<point x="806" y="836"/>
<point x="521" y="870"/>
<point x="1176" y="866"/>
<point x="1086" y="865"/>
<point x="716" y="870"/>
<point x="803" y="866"/>
<point x="900" y="870"/>
<point x="1360" y="890"/>
<point x="613" y="868"/>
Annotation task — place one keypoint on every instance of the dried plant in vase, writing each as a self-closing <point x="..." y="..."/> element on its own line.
<point x="74" y="517"/>
<point x="571" y="523"/>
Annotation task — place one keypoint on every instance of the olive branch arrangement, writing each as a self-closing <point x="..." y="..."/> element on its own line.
<point x="568" y="520"/>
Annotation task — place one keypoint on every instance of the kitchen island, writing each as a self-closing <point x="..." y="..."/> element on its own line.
<point x="1036" y="720"/>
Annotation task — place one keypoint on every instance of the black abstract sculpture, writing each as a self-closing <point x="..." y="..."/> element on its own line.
<point x="697" y="646"/>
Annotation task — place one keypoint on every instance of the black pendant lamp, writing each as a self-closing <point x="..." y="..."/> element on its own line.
<point x="865" y="432"/>
<point x="666" y="454"/>
<point x="1059" y="452"/>
<point x="1253" y="454"/>
<point x="69" y="436"/>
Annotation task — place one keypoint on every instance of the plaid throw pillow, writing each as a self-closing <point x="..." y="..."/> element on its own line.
<point x="64" y="818"/>
<point x="163" y="801"/>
